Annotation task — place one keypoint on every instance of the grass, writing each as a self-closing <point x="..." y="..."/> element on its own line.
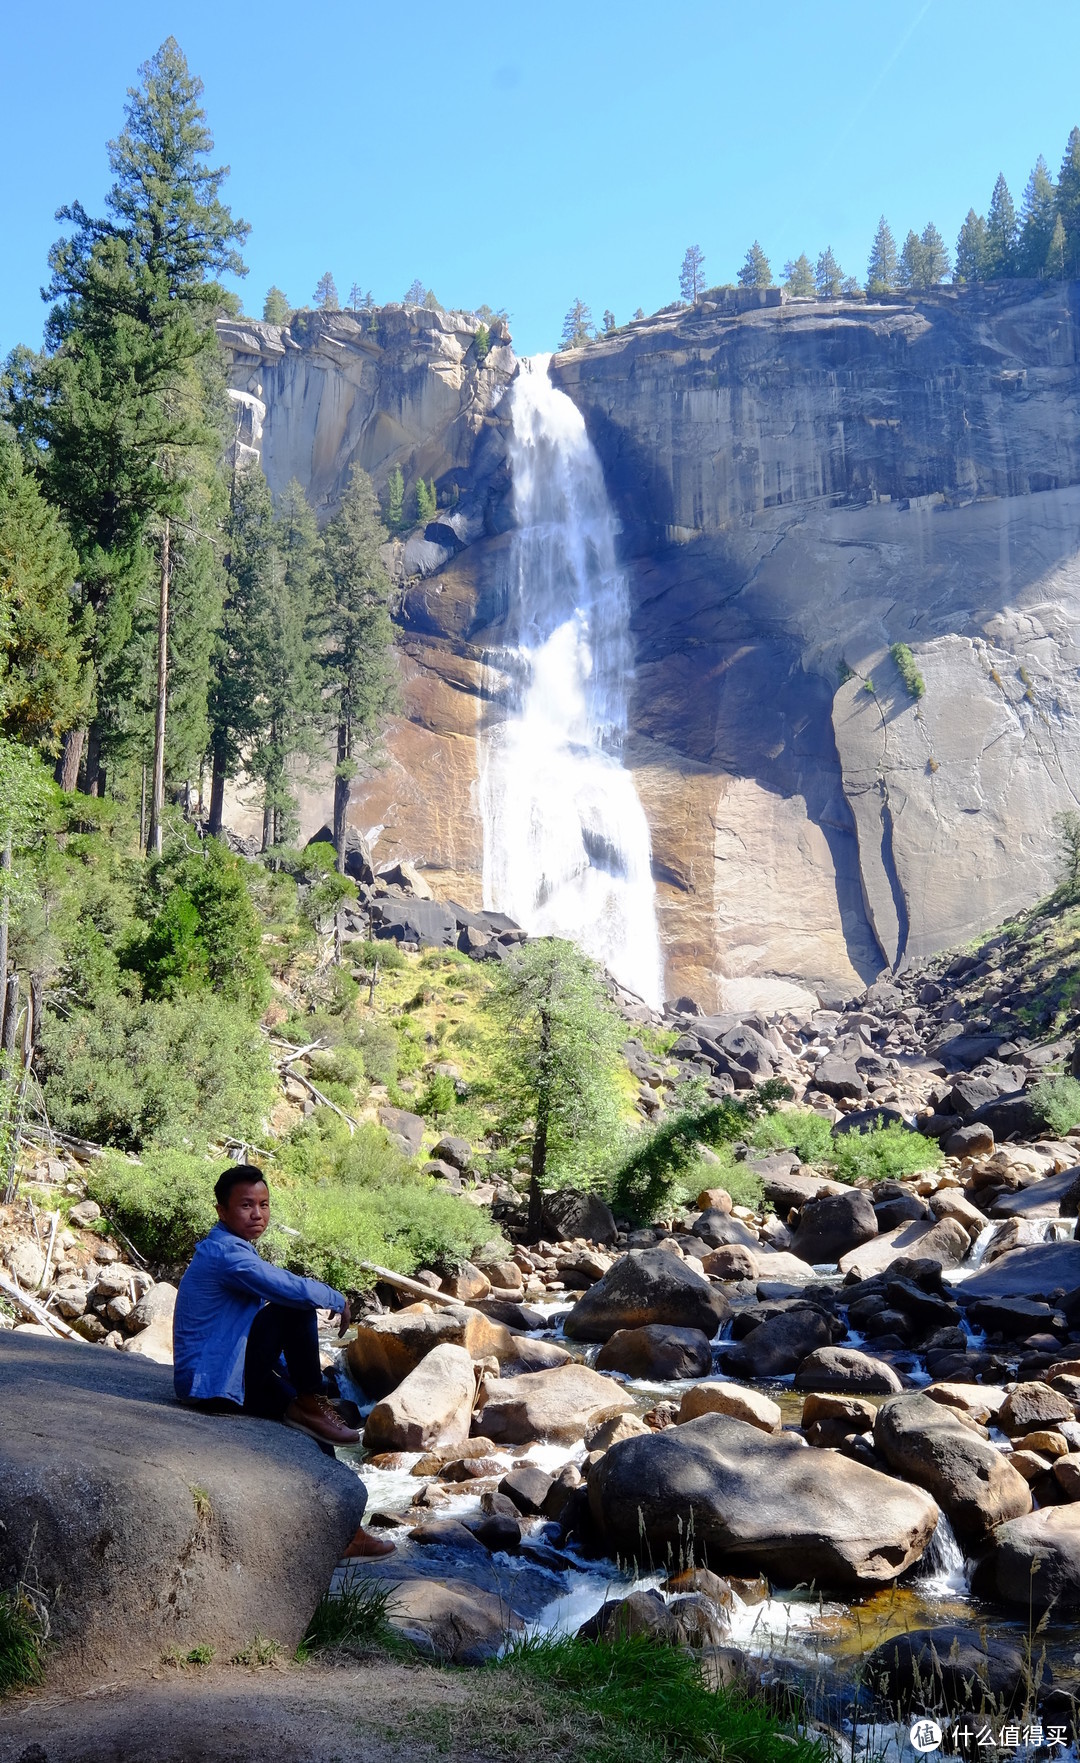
<point x="353" y="1620"/>
<point x="259" y="1653"/>
<point x="203" y="1654"/>
<point x="909" y="673"/>
<point x="22" y="1638"/>
<point x="627" y="1701"/>
<point x="885" y="1153"/>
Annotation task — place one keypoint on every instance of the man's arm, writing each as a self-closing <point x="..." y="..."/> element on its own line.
<point x="248" y="1272"/>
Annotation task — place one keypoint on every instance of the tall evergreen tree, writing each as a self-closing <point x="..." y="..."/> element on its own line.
<point x="577" y="326"/>
<point x="395" y="500"/>
<point x="115" y="409"/>
<point x="935" y="255"/>
<point x="828" y="276"/>
<point x="1068" y="202"/>
<point x="1054" y="267"/>
<point x="1038" y="212"/>
<point x="289" y="695"/>
<point x="414" y="293"/>
<point x="1002" y="233"/>
<point x="692" y="274"/>
<point x="326" y="294"/>
<point x="42" y="683"/>
<point x="276" y="308"/>
<point x="883" y="266"/>
<point x="799" y="278"/>
<point x="354" y="638"/>
<point x="356" y="297"/>
<point x="239" y="658"/>
<point x="756" y="271"/>
<point x="971" y="250"/>
<point x="911" y="271"/>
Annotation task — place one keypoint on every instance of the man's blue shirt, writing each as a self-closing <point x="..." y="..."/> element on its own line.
<point x="219" y="1297"/>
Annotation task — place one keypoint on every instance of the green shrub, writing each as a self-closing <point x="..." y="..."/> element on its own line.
<point x="385" y="952"/>
<point x="482" y="342"/>
<point x="664" y="1159"/>
<point x="438" y="1100"/>
<point x="204" y="933"/>
<point x="180" y="1072"/>
<point x="1057" y="1102"/>
<point x="800" y="1129"/>
<point x="379" y="1047"/>
<point x="165" y="1203"/>
<point x="886" y="1152"/>
<point x="908" y="671"/>
<point x="338" y="1065"/>
<point x="21" y="1642"/>
<point x="402" y="1225"/>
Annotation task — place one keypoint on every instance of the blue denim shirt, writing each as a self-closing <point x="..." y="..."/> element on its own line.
<point x="220" y="1295"/>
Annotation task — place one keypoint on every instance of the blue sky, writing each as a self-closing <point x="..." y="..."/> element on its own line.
<point x="527" y="154"/>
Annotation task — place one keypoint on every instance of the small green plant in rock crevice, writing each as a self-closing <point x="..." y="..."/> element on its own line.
<point x="354" y="1620"/>
<point x="909" y="673"/>
<point x="23" y="1633"/>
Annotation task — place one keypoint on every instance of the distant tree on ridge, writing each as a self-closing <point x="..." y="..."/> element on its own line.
<point x="756" y="271"/>
<point x="692" y="274"/>
<point x="326" y="294"/>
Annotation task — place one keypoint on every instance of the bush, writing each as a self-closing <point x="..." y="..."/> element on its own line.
<point x="800" y="1129"/>
<point x="1057" y="1102"/>
<point x="386" y="953"/>
<point x="125" y="1073"/>
<point x="885" y="1153"/>
<point x="205" y="933"/>
<point x="338" y="1065"/>
<point x="22" y="1637"/>
<point x="438" y="1100"/>
<point x="655" y="1173"/>
<point x="909" y="673"/>
<point x="165" y="1203"/>
<point x="379" y="1048"/>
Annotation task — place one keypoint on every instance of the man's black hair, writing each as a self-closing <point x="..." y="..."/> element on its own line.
<point x="231" y="1178"/>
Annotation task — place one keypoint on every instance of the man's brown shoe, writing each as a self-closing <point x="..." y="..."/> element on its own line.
<point x="316" y="1416"/>
<point x="365" y="1547"/>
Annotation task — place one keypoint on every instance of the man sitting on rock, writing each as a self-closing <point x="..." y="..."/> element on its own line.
<point x="236" y="1316"/>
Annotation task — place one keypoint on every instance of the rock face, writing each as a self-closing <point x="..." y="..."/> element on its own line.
<point x="759" y="1502"/>
<point x="153" y="1528"/>
<point x="647" y="1286"/>
<point x="800" y="486"/>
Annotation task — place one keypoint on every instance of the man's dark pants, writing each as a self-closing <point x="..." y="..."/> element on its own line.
<point x="278" y="1329"/>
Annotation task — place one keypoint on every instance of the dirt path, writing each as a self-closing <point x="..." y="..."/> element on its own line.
<point x="376" y="1711"/>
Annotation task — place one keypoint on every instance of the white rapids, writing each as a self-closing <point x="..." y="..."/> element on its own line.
<point x="566" y="843"/>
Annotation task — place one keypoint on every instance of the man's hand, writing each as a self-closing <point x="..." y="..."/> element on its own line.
<point x="346" y="1319"/>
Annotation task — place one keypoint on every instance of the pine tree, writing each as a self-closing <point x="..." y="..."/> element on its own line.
<point x="356" y="297"/>
<point x="1038" y="212"/>
<point x="414" y="294"/>
<point x="395" y="500"/>
<point x="1068" y="203"/>
<point x="124" y="407"/>
<point x="482" y="342"/>
<point x="971" y="249"/>
<point x="355" y="638"/>
<point x="935" y="255"/>
<point x="276" y="308"/>
<point x="239" y="651"/>
<point x="326" y="294"/>
<point x="882" y="268"/>
<point x="1054" y="267"/>
<point x="431" y="302"/>
<point x="42" y="683"/>
<point x="692" y="274"/>
<point x="799" y="278"/>
<point x="577" y="326"/>
<point x="289" y="694"/>
<point x="609" y="322"/>
<point x="755" y="271"/>
<point x="426" y="502"/>
<point x="640" y="313"/>
<point x="828" y="276"/>
<point x="911" y="272"/>
<point x="1002" y="233"/>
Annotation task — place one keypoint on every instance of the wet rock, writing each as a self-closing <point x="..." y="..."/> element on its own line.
<point x="903" y="1209"/>
<point x="647" y="1286"/>
<point x="778" y="1345"/>
<point x="451" y="1623"/>
<point x="570" y="1213"/>
<point x="831" y="1226"/>
<point x="527" y="1486"/>
<point x="432" y="1406"/>
<point x="552" y="1407"/>
<point x="846" y="1370"/>
<point x="732" y="1399"/>
<point x="970" y="1479"/>
<point x="953" y="1668"/>
<point x="759" y="1502"/>
<point x="1015" y="1318"/>
<point x="1034" y="1562"/>
<point x="656" y="1352"/>
<point x="981" y="1401"/>
<point x="639" y="1614"/>
<point x="1031" y="1405"/>
<point x="611" y="1432"/>
<point x="387" y="1348"/>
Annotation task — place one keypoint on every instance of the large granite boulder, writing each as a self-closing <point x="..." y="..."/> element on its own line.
<point x="569" y="1212"/>
<point x="548" y="1407"/>
<point x="952" y="1670"/>
<point x="385" y="1349"/>
<point x="152" y="1527"/>
<point x="1035" y="1562"/>
<point x="656" y="1352"/>
<point x="972" y="1480"/>
<point x="647" y="1286"/>
<point x="779" y="1345"/>
<point x="751" y="1502"/>
<point x="1031" y="1271"/>
<point x="846" y="1371"/>
<point x="834" y="1224"/>
<point x="431" y="1407"/>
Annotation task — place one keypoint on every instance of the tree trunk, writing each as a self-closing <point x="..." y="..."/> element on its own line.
<point x="217" y="795"/>
<point x="268" y="826"/>
<point x="7" y="1039"/>
<point x="67" y="770"/>
<point x="342" y="791"/>
<point x="5" y="913"/>
<point x="94" y="779"/>
<point x="142" y="811"/>
<point x="540" y="1138"/>
<point x="157" y="800"/>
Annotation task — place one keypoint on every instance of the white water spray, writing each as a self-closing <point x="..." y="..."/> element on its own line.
<point x="566" y="842"/>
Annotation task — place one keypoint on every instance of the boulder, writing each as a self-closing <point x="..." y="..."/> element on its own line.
<point x="433" y="1406"/>
<point x="733" y="1399"/>
<point x="457" y="1152"/>
<point x="656" y="1352"/>
<point x="1029" y="1406"/>
<point x="570" y="1213"/>
<point x="734" y="1261"/>
<point x="26" y="1263"/>
<point x="932" y="1446"/>
<point x="548" y="1407"/>
<point x="387" y="1348"/>
<point x="610" y="1432"/>
<point x="451" y="1623"/>
<point x="845" y="1370"/>
<point x="647" y="1286"/>
<point x="779" y="1345"/>
<point x="1032" y="1271"/>
<point x="407" y="1128"/>
<point x="97" y="1466"/>
<point x="154" y="1342"/>
<point x="944" y="1241"/>
<point x="84" y="1213"/>
<point x="690" y="1621"/>
<point x="755" y="1502"/>
<point x="959" y="1669"/>
<point x="534" y="1355"/>
<point x="527" y="1486"/>
<point x="974" y="1139"/>
<point x="1049" y="1197"/>
<point x="785" y="1189"/>
<point x="1035" y="1562"/>
<point x="155" y="1305"/>
<point x="839" y="1078"/>
<point x="833" y="1225"/>
<point x="466" y="1283"/>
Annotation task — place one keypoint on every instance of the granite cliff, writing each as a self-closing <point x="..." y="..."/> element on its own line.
<point x="801" y="487"/>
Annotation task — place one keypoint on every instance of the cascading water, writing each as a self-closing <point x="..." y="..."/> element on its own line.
<point x="566" y="842"/>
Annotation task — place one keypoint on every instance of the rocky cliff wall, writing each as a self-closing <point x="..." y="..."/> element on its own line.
<point x="800" y="488"/>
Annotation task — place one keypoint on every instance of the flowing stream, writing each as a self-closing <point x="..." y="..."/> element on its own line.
<point x="566" y="842"/>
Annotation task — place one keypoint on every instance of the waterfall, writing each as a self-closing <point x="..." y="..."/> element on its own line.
<point x="566" y="842"/>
